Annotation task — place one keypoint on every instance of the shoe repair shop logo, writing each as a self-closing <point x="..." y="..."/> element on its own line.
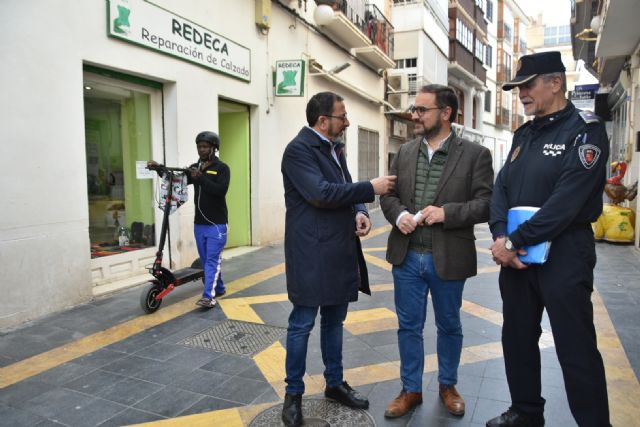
<point x="121" y="23"/>
<point x="288" y="84"/>
<point x="553" y="149"/>
<point x="289" y="78"/>
<point x="589" y="155"/>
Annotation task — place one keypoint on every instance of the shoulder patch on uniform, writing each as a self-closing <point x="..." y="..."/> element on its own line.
<point x="589" y="117"/>
<point x="589" y="155"/>
<point x="212" y="172"/>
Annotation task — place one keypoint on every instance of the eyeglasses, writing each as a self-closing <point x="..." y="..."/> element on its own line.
<point x="343" y="118"/>
<point x="420" y="110"/>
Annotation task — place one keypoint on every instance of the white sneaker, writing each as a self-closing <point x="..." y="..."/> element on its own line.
<point x="206" y="302"/>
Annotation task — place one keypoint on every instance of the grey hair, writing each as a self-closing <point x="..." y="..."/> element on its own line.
<point x="562" y="76"/>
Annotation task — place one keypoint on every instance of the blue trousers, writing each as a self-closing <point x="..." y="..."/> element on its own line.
<point x="413" y="280"/>
<point x="301" y="321"/>
<point x="210" y="240"/>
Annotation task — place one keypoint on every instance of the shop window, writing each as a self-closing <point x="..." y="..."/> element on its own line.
<point x="117" y="135"/>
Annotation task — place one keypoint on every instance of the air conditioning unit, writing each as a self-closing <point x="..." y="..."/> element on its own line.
<point x="397" y="91"/>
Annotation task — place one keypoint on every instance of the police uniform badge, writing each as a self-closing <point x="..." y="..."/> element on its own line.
<point x="515" y="153"/>
<point x="589" y="155"/>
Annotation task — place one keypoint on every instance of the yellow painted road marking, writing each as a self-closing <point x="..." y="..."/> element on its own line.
<point x="360" y="316"/>
<point x="382" y="288"/>
<point x="376" y="232"/>
<point x="232" y="417"/>
<point x="485" y="313"/>
<point x="368" y="321"/>
<point x="39" y="363"/>
<point x="622" y="384"/>
<point x="494" y="269"/>
<point x="378" y="249"/>
<point x="240" y="308"/>
<point x="378" y="262"/>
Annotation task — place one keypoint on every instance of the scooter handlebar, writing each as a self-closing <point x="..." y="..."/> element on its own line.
<point x="162" y="168"/>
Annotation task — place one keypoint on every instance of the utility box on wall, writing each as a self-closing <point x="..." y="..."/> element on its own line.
<point x="263" y="14"/>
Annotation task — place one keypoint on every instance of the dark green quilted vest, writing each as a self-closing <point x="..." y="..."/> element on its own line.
<point x="427" y="178"/>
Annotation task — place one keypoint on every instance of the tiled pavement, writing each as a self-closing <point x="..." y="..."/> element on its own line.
<point x="106" y="363"/>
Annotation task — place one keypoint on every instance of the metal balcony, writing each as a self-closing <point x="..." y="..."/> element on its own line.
<point x="363" y="28"/>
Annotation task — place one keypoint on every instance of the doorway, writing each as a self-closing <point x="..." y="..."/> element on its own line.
<point x="233" y="119"/>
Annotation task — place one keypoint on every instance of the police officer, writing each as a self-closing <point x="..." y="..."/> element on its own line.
<point x="557" y="163"/>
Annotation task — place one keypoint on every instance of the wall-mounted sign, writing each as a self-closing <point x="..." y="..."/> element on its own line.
<point x="148" y="25"/>
<point x="584" y="96"/>
<point x="289" y="78"/>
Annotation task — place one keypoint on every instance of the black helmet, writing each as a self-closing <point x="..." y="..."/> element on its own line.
<point x="209" y="137"/>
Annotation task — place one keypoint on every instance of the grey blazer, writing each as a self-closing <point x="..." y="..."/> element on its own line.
<point x="464" y="191"/>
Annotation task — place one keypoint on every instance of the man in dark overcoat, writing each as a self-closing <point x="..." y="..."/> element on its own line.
<point x="325" y="267"/>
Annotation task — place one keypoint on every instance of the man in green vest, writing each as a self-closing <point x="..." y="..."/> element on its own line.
<point x="443" y="188"/>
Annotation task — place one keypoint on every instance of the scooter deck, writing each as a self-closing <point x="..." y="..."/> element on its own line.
<point x="188" y="274"/>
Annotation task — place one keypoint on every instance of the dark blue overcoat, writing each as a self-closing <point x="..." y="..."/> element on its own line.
<point x="324" y="261"/>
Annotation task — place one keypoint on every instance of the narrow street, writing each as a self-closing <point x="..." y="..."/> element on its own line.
<point x="106" y="363"/>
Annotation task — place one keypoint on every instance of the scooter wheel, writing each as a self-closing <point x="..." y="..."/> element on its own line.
<point x="147" y="298"/>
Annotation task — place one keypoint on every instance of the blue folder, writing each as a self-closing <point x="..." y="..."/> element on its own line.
<point x="536" y="254"/>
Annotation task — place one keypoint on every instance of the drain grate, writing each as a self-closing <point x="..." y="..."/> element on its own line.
<point x="236" y="337"/>
<point x="317" y="413"/>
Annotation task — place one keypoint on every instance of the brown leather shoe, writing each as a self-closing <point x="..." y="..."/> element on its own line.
<point x="402" y="404"/>
<point x="452" y="399"/>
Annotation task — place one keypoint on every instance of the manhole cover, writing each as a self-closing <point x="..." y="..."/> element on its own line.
<point x="317" y="413"/>
<point x="236" y="337"/>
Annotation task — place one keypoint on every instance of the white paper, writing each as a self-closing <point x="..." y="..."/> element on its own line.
<point x="141" y="170"/>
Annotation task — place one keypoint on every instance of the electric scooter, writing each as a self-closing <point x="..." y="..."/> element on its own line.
<point x="164" y="280"/>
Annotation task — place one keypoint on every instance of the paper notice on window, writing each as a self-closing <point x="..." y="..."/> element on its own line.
<point x="141" y="170"/>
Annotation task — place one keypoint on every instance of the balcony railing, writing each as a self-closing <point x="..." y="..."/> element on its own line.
<point x="354" y="10"/>
<point x="363" y="27"/>
<point x="371" y="21"/>
<point x="378" y="29"/>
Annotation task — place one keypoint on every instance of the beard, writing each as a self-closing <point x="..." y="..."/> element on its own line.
<point x="336" y="133"/>
<point x="433" y="130"/>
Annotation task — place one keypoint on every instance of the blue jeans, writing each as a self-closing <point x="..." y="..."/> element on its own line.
<point x="413" y="280"/>
<point x="210" y="240"/>
<point x="301" y="321"/>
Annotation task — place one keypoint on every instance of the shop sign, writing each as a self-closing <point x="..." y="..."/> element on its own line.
<point x="148" y="25"/>
<point x="289" y="78"/>
<point x="584" y="96"/>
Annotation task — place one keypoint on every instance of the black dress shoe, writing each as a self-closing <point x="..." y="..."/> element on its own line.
<point x="347" y="396"/>
<point x="292" y="410"/>
<point x="513" y="418"/>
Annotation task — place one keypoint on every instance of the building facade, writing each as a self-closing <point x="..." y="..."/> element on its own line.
<point x="97" y="91"/>
<point x="507" y="41"/>
<point x="606" y="36"/>
<point x="421" y="57"/>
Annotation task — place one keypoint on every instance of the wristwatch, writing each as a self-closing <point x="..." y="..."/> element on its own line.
<point x="508" y="244"/>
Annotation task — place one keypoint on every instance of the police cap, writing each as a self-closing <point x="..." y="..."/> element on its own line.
<point x="530" y="66"/>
